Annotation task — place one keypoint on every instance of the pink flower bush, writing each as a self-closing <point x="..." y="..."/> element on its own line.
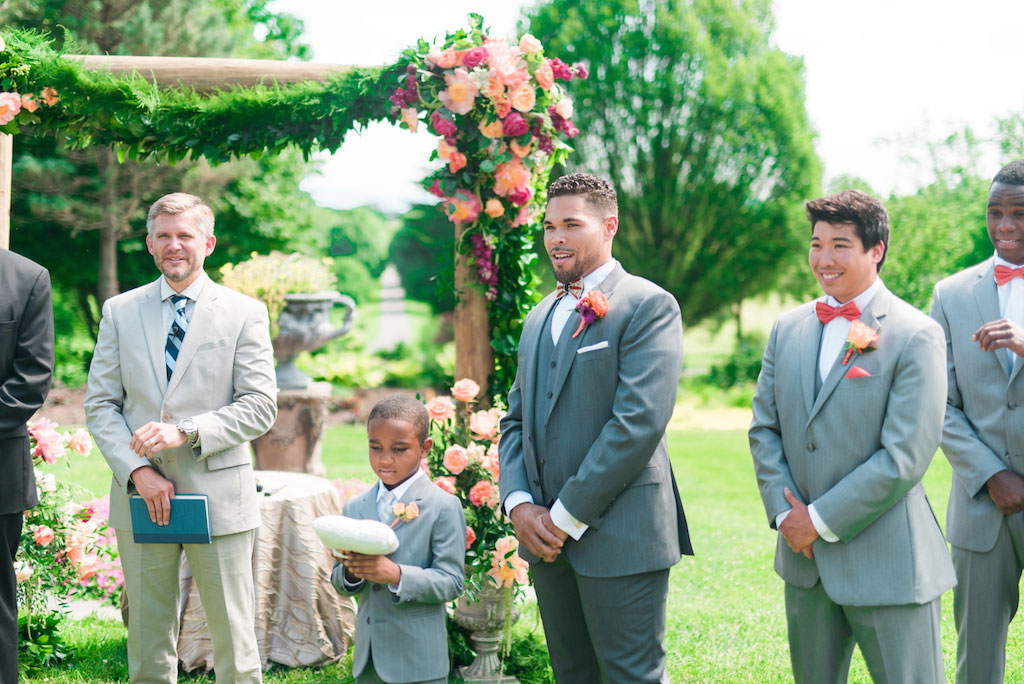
<point x="470" y="537"/>
<point x="483" y="423"/>
<point x="447" y="483"/>
<point x="441" y="408"/>
<point x="81" y="442"/>
<point x="42" y="535"/>
<point x="484" y="493"/>
<point x="465" y="390"/>
<point x="456" y="458"/>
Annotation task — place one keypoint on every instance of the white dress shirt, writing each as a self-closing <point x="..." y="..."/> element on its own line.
<point x="167" y="313"/>
<point x="1011" y="302"/>
<point x="564" y="307"/>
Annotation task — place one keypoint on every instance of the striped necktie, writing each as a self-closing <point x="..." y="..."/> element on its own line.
<point x="176" y="335"/>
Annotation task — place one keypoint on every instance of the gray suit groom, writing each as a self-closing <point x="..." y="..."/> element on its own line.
<point x="585" y="473"/>
<point x="981" y="310"/>
<point x="181" y="379"/>
<point x="847" y="416"/>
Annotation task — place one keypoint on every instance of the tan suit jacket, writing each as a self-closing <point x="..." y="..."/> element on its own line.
<point x="224" y="379"/>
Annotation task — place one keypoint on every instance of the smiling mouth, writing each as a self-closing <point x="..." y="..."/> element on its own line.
<point x="828" y="277"/>
<point x="560" y="256"/>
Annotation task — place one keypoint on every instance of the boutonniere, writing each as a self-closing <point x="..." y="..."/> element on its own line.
<point x="593" y="306"/>
<point x="859" y="340"/>
<point x="404" y="512"/>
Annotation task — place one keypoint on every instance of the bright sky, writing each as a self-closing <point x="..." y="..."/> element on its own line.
<point x="882" y="77"/>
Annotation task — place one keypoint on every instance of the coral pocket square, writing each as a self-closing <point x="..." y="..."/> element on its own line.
<point x="857" y="372"/>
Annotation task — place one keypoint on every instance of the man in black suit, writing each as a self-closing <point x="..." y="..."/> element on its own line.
<point x="26" y="363"/>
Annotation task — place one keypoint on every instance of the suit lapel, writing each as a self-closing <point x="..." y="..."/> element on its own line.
<point x="200" y="315"/>
<point x="873" y="316"/>
<point x="153" y="329"/>
<point x="986" y="296"/>
<point x="808" y="340"/>
<point x="534" y="328"/>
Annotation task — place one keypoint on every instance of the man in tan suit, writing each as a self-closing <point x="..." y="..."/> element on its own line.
<point x="181" y="379"/>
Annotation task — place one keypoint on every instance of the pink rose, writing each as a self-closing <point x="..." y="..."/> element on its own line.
<point x="464" y="207"/>
<point x="441" y="408"/>
<point x="442" y="126"/>
<point x="470" y="537"/>
<point x="445" y="483"/>
<point x="483" y="424"/>
<point x="49" y="446"/>
<point x="475" y="452"/>
<point x="43" y="535"/>
<point x="515" y="125"/>
<point x="10" y="105"/>
<point x="74" y="554"/>
<point x="529" y="44"/>
<point x="465" y="390"/>
<point x="447" y="59"/>
<point x="435" y="189"/>
<point x="424" y="465"/>
<point x="491" y="464"/>
<point x="81" y="442"/>
<point x="523" y="97"/>
<point x="456" y="458"/>
<point x="483" y="492"/>
<point x="520" y="196"/>
<point x="474" y="57"/>
<point x="545" y="76"/>
<point x="89" y="566"/>
<point x="524" y="217"/>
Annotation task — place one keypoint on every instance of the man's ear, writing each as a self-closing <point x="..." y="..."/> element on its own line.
<point x="611" y="226"/>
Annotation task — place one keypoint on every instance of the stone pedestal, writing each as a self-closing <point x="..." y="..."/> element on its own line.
<point x="295" y="442"/>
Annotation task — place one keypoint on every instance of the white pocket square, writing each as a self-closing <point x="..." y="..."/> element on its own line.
<point x="592" y="347"/>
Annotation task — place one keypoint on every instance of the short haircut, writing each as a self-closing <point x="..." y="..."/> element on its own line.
<point x="598" y="192"/>
<point x="403" y="407"/>
<point x="179" y="203"/>
<point x="1011" y="174"/>
<point x="866" y="213"/>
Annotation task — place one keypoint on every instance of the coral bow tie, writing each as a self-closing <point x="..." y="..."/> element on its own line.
<point x="826" y="313"/>
<point x="1005" y="274"/>
<point x="575" y="288"/>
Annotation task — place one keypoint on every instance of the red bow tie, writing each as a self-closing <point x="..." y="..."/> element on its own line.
<point x="1005" y="274"/>
<point x="826" y="313"/>
<point x="575" y="288"/>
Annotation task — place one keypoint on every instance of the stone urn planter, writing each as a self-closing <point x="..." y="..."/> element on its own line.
<point x="305" y="325"/>
<point x="485" y="619"/>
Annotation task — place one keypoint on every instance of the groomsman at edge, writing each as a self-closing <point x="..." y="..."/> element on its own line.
<point x="840" y="442"/>
<point x="981" y="310"/>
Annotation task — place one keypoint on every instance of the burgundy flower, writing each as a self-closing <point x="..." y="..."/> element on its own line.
<point x="561" y="70"/>
<point x="442" y="126"/>
<point x="474" y="57"/>
<point x="520" y="196"/>
<point x="580" y="70"/>
<point x="514" y="125"/>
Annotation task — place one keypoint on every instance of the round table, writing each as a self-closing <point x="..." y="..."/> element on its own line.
<point x="301" y="620"/>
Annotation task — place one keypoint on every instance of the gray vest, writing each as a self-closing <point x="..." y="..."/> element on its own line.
<point x="543" y="399"/>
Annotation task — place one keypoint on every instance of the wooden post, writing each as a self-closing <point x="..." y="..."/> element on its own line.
<point x="474" y="357"/>
<point x="6" y="172"/>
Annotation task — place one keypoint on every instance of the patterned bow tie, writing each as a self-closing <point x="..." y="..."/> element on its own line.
<point x="575" y="288"/>
<point x="1005" y="274"/>
<point x="826" y="313"/>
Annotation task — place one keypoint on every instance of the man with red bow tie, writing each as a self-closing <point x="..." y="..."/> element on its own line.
<point x="846" y="418"/>
<point x="981" y="310"/>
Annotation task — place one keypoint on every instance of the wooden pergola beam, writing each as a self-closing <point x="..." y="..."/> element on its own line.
<point x="206" y="73"/>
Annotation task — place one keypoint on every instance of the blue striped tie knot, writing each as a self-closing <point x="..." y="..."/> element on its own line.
<point x="176" y="335"/>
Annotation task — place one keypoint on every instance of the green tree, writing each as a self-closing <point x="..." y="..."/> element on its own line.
<point x="359" y="241"/>
<point x="423" y="251"/>
<point x="700" y="124"/>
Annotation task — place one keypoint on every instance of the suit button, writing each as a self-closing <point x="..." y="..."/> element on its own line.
<point x="810" y="446"/>
<point x="536" y="483"/>
<point x="549" y="395"/>
<point x="1011" y="405"/>
<point x="166" y="418"/>
<point x="552" y="364"/>
<point x="156" y="460"/>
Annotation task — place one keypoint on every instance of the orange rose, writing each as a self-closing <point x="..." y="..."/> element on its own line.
<point x="28" y="101"/>
<point x="494" y="208"/>
<point x="861" y="335"/>
<point x="521" y="150"/>
<point x="456" y="162"/>
<point x="412" y="511"/>
<point x="523" y="97"/>
<point x="545" y="76"/>
<point x="444" y="150"/>
<point x="49" y="96"/>
<point x="491" y="130"/>
<point x="502" y="106"/>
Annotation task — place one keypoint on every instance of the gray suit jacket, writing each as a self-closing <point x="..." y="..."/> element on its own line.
<point x="609" y="414"/>
<point x="224" y="379"/>
<point x="858" y="451"/>
<point x="408" y="637"/>
<point x="984" y="431"/>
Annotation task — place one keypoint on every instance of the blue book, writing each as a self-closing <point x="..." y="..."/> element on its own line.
<point x="189" y="523"/>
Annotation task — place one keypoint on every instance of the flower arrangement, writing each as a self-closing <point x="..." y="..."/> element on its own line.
<point x="502" y="116"/>
<point x="464" y="462"/>
<point x="592" y="307"/>
<point x="859" y="340"/>
<point x="19" y="108"/>
<point x="58" y="546"/>
<point x="269" y="277"/>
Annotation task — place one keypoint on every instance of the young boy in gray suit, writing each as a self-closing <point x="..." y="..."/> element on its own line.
<point x="400" y="626"/>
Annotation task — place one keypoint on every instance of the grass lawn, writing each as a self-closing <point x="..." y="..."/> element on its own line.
<point x="725" y="615"/>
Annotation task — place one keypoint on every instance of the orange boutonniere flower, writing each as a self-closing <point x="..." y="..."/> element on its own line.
<point x="859" y="340"/>
<point x="405" y="512"/>
<point x="593" y="306"/>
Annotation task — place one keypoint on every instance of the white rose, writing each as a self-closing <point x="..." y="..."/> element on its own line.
<point x="564" y="108"/>
<point x="22" y="570"/>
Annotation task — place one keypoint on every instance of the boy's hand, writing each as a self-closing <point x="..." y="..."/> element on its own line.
<point x="380" y="569"/>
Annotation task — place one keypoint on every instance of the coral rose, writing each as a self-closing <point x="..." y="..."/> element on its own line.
<point x="412" y="511"/>
<point x="483" y="493"/>
<point x="491" y="465"/>
<point x="529" y="44"/>
<point x="461" y="92"/>
<point x="470" y="537"/>
<point x="492" y="130"/>
<point x="10" y="105"/>
<point x="456" y="458"/>
<point x="465" y="390"/>
<point x="474" y="57"/>
<point x="446" y="483"/>
<point x="89" y="566"/>
<point x="511" y="176"/>
<point x="545" y="76"/>
<point x="464" y="207"/>
<point x="456" y="162"/>
<point x="410" y="117"/>
<point x="446" y="59"/>
<point x="520" y="150"/>
<point x="444" y="150"/>
<point x="81" y="442"/>
<point x="483" y="424"/>
<point x="494" y="208"/>
<point x="515" y="125"/>
<point x="49" y="96"/>
<point x="28" y="101"/>
<point x="441" y="408"/>
<point x="523" y="97"/>
<point x="43" y="535"/>
<point x="507" y="568"/>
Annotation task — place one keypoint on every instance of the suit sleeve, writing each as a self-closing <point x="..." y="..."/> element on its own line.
<point x="911" y="431"/>
<point x="765" y="436"/>
<point x="338" y="573"/>
<point x="104" y="402"/>
<point x="511" y="468"/>
<point x="972" y="460"/>
<point x="254" y="406"/>
<point x="443" y="580"/>
<point x="24" y="390"/>
<point x="650" y="361"/>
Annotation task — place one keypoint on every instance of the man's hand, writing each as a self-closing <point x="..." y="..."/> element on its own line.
<point x="153" y="437"/>
<point x="380" y="569"/>
<point x="1007" y="491"/>
<point x="533" y="528"/>
<point x="156" y="490"/>
<point x="1001" y="334"/>
<point x="797" y="528"/>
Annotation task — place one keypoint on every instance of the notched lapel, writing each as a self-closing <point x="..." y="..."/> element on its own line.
<point x="155" y="334"/>
<point x="193" y="336"/>
<point x="986" y="296"/>
<point x="809" y="337"/>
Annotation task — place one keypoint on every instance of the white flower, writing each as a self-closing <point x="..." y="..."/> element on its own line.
<point x="22" y="570"/>
<point x="564" y="108"/>
<point x="3" y="46"/>
<point x="46" y="483"/>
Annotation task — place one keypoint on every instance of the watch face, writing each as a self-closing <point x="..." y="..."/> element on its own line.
<point x="188" y="425"/>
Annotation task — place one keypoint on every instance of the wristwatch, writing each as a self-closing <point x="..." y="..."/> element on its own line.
<point x="190" y="429"/>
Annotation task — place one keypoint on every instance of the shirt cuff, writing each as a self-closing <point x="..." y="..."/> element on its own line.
<point x="519" y="496"/>
<point x="396" y="589"/>
<point x="564" y="521"/>
<point x="781" y="516"/>
<point x="823" y="531"/>
<point x="350" y="586"/>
